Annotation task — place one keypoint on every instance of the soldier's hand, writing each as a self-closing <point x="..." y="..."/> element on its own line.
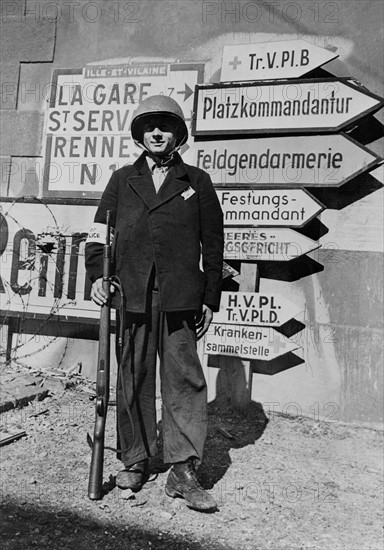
<point x="202" y="323"/>
<point x="97" y="293"/>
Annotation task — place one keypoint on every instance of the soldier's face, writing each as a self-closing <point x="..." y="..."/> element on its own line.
<point x="160" y="136"/>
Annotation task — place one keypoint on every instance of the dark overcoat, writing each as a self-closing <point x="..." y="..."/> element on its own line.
<point x="171" y="230"/>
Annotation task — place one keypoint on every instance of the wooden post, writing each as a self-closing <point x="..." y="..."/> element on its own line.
<point x="249" y="280"/>
<point x="234" y="380"/>
<point x="12" y="328"/>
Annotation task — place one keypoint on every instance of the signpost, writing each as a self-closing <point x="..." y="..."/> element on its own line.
<point x="258" y="220"/>
<point x="246" y="342"/>
<point x="300" y="161"/>
<point x="266" y="207"/>
<point x="279" y="107"/>
<point x="275" y="244"/>
<point x="285" y="59"/>
<point x="90" y="111"/>
<point x="254" y="308"/>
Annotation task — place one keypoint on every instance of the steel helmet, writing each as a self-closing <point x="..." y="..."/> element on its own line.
<point x="159" y="105"/>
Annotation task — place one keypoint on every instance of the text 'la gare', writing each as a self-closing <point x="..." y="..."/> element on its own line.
<point x="99" y="94"/>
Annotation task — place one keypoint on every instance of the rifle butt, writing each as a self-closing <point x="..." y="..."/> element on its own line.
<point x="95" y="484"/>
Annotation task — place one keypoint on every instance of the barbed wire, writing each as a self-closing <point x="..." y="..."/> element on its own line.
<point x="47" y="245"/>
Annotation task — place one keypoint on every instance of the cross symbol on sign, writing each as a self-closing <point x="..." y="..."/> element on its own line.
<point x="235" y="63"/>
<point x="278" y="343"/>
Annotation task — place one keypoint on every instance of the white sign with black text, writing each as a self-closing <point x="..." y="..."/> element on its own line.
<point x="254" y="308"/>
<point x="246" y="342"/>
<point x="267" y="60"/>
<point x="88" y="121"/>
<point x="282" y="106"/>
<point x="305" y="161"/>
<point x="266" y="207"/>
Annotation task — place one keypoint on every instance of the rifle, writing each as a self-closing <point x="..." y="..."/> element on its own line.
<point x="102" y="381"/>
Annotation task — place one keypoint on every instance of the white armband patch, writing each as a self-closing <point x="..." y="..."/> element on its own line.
<point x="97" y="233"/>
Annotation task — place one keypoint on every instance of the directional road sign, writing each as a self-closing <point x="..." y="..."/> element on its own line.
<point x="89" y="117"/>
<point x="267" y="60"/>
<point x="229" y="271"/>
<point x="254" y="308"/>
<point x="305" y="161"/>
<point x="275" y="244"/>
<point x="246" y="342"/>
<point x="266" y="207"/>
<point x="282" y="106"/>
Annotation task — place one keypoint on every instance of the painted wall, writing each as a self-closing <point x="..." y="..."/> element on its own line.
<point x="341" y="377"/>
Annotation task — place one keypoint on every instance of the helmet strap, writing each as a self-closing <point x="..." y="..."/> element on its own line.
<point x="164" y="161"/>
<point x="161" y="161"/>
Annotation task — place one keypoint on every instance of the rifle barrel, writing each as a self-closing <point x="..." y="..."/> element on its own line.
<point x="95" y="484"/>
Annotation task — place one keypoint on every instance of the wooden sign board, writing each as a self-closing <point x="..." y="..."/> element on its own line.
<point x="254" y="308"/>
<point x="246" y="342"/>
<point x="279" y="107"/>
<point x="297" y="161"/>
<point x="268" y="60"/>
<point x="266" y="207"/>
<point x="42" y="259"/>
<point x="275" y="244"/>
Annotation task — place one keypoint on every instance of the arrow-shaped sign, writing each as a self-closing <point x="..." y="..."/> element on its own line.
<point x="275" y="244"/>
<point x="266" y="207"/>
<point x="254" y="308"/>
<point x="229" y="271"/>
<point x="307" y="161"/>
<point x="282" y="106"/>
<point x="246" y="342"/>
<point x="187" y="92"/>
<point x="286" y="59"/>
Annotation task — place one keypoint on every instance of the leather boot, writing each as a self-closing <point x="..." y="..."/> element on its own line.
<point x="133" y="477"/>
<point x="182" y="482"/>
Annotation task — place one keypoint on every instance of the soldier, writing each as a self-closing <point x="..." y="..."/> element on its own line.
<point x="167" y="222"/>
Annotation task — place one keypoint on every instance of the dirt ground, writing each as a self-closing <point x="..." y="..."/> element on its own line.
<point x="281" y="483"/>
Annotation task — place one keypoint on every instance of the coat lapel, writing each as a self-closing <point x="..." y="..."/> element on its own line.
<point x="142" y="183"/>
<point x="175" y="183"/>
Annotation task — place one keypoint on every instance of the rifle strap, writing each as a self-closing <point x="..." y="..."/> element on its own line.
<point x="116" y="283"/>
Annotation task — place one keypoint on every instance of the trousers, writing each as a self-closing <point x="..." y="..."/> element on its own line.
<point x="172" y="336"/>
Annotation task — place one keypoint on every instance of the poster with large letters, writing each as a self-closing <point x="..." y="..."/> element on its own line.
<point x="42" y="260"/>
